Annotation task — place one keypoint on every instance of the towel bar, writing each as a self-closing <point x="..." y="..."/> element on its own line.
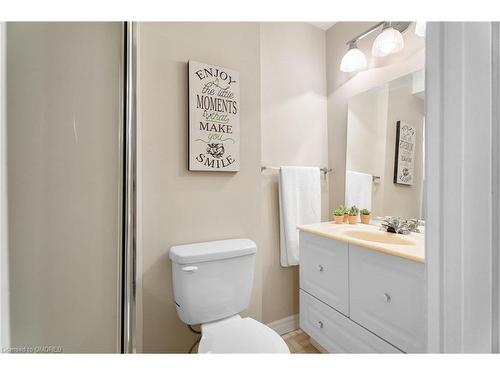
<point x="323" y="169"/>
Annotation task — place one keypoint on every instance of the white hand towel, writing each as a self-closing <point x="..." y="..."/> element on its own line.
<point x="358" y="190"/>
<point x="300" y="203"/>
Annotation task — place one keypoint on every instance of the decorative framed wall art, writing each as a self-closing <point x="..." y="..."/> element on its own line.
<point x="406" y="136"/>
<point x="214" y="118"/>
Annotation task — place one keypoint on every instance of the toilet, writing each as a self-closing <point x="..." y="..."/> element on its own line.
<point x="212" y="284"/>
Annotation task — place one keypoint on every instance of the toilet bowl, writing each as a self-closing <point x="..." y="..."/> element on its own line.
<point x="240" y="335"/>
<point x="212" y="284"/>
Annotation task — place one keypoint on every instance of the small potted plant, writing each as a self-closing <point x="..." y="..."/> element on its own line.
<point x="365" y="216"/>
<point x="353" y="214"/>
<point x="346" y="213"/>
<point x="339" y="214"/>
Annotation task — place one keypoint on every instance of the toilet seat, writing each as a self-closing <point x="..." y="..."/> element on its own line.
<point x="240" y="335"/>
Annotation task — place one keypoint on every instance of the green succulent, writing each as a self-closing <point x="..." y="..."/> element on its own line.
<point x="353" y="211"/>
<point x="365" y="211"/>
<point x="339" y="211"/>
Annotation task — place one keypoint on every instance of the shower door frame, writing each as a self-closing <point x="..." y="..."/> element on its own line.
<point x="4" y="277"/>
<point x="130" y="341"/>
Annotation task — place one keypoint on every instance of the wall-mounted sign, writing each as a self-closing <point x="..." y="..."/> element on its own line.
<point x="406" y="138"/>
<point x="214" y="118"/>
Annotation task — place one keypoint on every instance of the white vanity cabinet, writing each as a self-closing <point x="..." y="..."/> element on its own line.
<point x="387" y="296"/>
<point x="324" y="270"/>
<point x="358" y="300"/>
<point x="335" y="332"/>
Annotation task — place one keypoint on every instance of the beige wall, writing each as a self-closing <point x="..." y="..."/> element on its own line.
<point x="181" y="206"/>
<point x="341" y="86"/>
<point x="294" y="132"/>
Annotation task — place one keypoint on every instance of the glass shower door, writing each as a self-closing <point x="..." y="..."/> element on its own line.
<point x="65" y="181"/>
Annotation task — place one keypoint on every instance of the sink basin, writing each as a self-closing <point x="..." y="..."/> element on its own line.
<point x="381" y="237"/>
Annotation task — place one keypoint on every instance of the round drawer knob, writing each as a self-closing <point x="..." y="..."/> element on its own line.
<point x="387" y="297"/>
<point x="321" y="268"/>
<point x="320" y="324"/>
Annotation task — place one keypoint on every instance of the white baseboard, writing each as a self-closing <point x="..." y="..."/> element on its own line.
<point x="285" y="325"/>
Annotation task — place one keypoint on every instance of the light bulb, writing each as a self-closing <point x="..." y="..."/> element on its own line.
<point x="387" y="42"/>
<point x="420" y="28"/>
<point x="353" y="60"/>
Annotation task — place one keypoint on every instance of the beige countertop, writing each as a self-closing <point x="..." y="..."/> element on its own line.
<point x="411" y="246"/>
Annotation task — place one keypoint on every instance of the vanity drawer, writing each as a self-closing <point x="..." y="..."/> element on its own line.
<point x="324" y="270"/>
<point x="387" y="296"/>
<point x="335" y="332"/>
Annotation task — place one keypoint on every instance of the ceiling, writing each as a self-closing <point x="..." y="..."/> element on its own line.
<point x="323" y="25"/>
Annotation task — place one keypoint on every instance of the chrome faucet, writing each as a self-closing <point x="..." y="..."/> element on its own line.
<point x="413" y="225"/>
<point x="395" y="224"/>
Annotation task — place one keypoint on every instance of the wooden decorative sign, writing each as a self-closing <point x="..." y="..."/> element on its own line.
<point x="406" y="136"/>
<point x="214" y="118"/>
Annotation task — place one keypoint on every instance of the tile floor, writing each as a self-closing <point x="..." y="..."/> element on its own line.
<point x="298" y="342"/>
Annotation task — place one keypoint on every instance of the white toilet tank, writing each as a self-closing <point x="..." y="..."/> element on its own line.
<point x="212" y="280"/>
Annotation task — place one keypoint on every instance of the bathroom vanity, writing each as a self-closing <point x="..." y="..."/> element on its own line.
<point x="362" y="290"/>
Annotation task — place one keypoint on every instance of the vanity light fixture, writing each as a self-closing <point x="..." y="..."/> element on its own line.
<point x="389" y="41"/>
<point x="353" y="60"/>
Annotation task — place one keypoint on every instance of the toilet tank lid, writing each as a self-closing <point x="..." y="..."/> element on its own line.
<point x="213" y="250"/>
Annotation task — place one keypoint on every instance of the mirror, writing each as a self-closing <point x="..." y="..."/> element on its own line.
<point x="385" y="148"/>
